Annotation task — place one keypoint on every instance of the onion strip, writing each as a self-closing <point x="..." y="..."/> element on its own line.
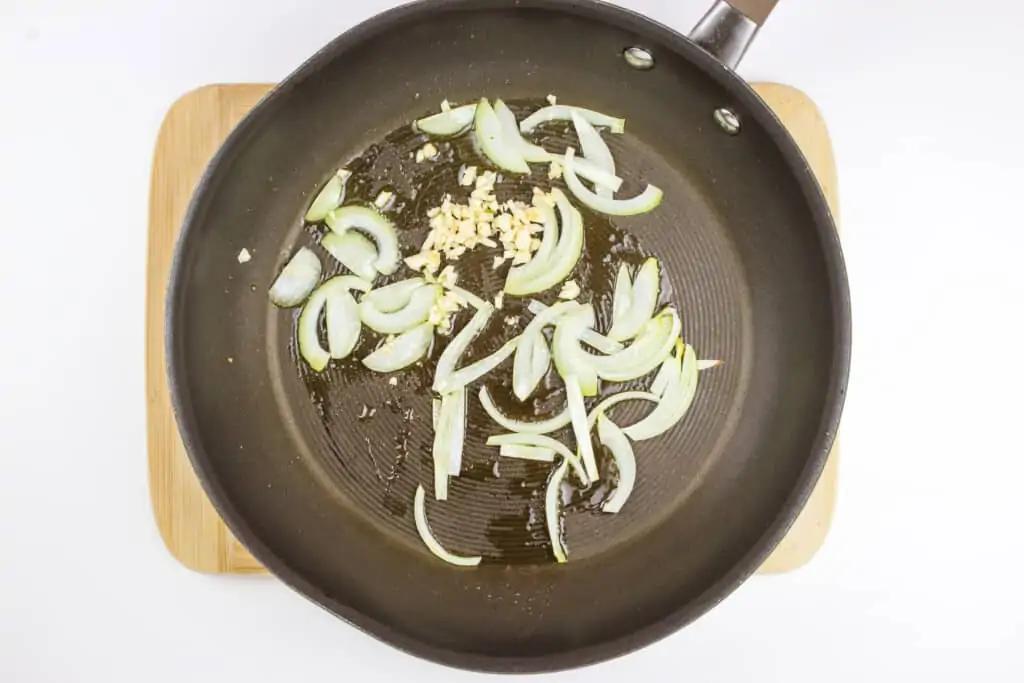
<point x="589" y="336"/>
<point x="532" y="361"/>
<point x="678" y="397"/>
<point x="474" y="371"/>
<point x="402" y="351"/>
<point x="447" y="123"/>
<point x="333" y="295"/>
<point x="561" y="261"/>
<point x="606" y="405"/>
<point x="589" y="171"/>
<point x="297" y="279"/>
<point x="457" y="430"/>
<point x="622" y="452"/>
<point x="544" y="442"/>
<point x="570" y="359"/>
<point x="553" y="510"/>
<point x="416" y="312"/>
<point x="578" y="419"/>
<point x="329" y="198"/>
<point x="510" y="129"/>
<point x="493" y="142"/>
<point x="564" y="113"/>
<point x="395" y="296"/>
<point x="521" y="452"/>
<point x="519" y="426"/>
<point x="652" y="346"/>
<point x="643" y="300"/>
<point x="376" y="226"/>
<point x="354" y="251"/>
<point x="642" y="203"/>
<point x="594" y="150"/>
<point x="419" y="511"/>
<point x="458" y="345"/>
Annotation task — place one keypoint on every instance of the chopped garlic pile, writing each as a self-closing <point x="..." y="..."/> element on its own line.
<point x="446" y="304"/>
<point x="456" y="228"/>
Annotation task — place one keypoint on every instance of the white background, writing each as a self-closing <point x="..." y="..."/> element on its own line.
<point x="921" y="577"/>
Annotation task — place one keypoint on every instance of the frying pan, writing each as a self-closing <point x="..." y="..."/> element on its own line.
<point x="315" y="473"/>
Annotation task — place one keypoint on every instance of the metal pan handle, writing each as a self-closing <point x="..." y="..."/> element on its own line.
<point x="729" y="27"/>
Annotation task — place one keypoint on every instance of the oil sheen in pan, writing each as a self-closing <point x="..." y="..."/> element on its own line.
<point x="375" y="438"/>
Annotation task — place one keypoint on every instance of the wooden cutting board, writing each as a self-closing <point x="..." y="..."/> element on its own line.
<point x="192" y="131"/>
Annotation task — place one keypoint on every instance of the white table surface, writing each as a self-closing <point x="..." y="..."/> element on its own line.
<point x="921" y="577"/>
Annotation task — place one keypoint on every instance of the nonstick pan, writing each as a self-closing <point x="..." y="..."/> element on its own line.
<point x="315" y="473"/>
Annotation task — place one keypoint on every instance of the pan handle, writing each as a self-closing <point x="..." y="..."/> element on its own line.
<point x="729" y="27"/>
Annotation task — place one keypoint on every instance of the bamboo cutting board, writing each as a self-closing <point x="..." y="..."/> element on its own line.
<point x="191" y="132"/>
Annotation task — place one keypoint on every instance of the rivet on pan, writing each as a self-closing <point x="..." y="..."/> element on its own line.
<point x="638" y="58"/>
<point x="727" y="120"/>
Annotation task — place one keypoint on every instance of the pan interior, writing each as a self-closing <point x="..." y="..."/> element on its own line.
<point x="316" y="472"/>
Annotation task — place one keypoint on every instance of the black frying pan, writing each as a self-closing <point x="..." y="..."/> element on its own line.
<point x="323" y="499"/>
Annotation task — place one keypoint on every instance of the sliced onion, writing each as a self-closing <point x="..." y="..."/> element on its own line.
<point x="673" y="407"/>
<point x="297" y="279"/>
<point x="474" y="371"/>
<point x="402" y="351"/>
<point x="563" y="259"/>
<point x="531" y="364"/>
<point x="590" y="171"/>
<point x="591" y="337"/>
<point x="623" y="294"/>
<point x="510" y="129"/>
<point x="447" y="123"/>
<point x="543" y="441"/>
<point x="334" y="295"/>
<point x="622" y="452"/>
<point x="435" y="412"/>
<point x="354" y="251"/>
<point x="419" y="511"/>
<point x="412" y="314"/>
<point x="468" y="297"/>
<point x="395" y="296"/>
<point x="458" y="345"/>
<point x="535" y="453"/>
<point x="643" y="300"/>
<point x="570" y="359"/>
<point x="641" y="203"/>
<point x="520" y="278"/>
<point x="329" y="198"/>
<point x="670" y="368"/>
<point x="647" y="351"/>
<point x="553" y="510"/>
<point x="492" y="140"/>
<point x="442" y="451"/>
<point x="594" y="149"/>
<point x="457" y="430"/>
<point x="605" y="405"/>
<point x="703" y="364"/>
<point x="519" y="426"/>
<point x="561" y="112"/>
<point x="578" y="419"/>
<point x="376" y="226"/>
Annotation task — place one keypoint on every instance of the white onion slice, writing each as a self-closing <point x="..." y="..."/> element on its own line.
<point x="605" y="405"/>
<point x="395" y="296"/>
<point x="402" y="351"/>
<point x="468" y="297"/>
<point x="570" y="359"/>
<point x="474" y="371"/>
<point x="578" y="419"/>
<point x="458" y="345"/>
<point x="623" y="294"/>
<point x="641" y="203"/>
<point x="354" y="251"/>
<point x="412" y="314"/>
<point x="563" y="259"/>
<point x="589" y="171"/>
<point x="543" y="441"/>
<point x="531" y="364"/>
<point x="677" y="399"/>
<point x="704" y="364"/>
<point x="457" y="430"/>
<point x="643" y="300"/>
<point x="376" y="226"/>
<point x="522" y="427"/>
<point x="447" y="123"/>
<point x="419" y="511"/>
<point x="590" y="337"/>
<point x="329" y="198"/>
<point x="559" y="112"/>
<point x="492" y="140"/>
<point x="297" y="279"/>
<point x="342" y="331"/>
<point x="441" y="451"/>
<point x="670" y="369"/>
<point x="435" y="412"/>
<point x="553" y="510"/>
<point x="535" y="453"/>
<point x="520" y="277"/>
<point x="594" y="150"/>
<point x="510" y="129"/>
<point x="622" y="452"/>
<point x="648" y="350"/>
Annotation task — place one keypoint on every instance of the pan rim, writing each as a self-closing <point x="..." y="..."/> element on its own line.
<point x="755" y="555"/>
